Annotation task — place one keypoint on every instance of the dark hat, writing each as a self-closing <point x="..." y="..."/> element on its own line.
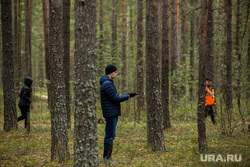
<point x="110" y="68"/>
<point x="209" y="79"/>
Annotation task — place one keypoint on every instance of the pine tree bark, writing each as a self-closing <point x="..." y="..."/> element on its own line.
<point x="223" y="71"/>
<point x="19" y="49"/>
<point x="41" y="59"/>
<point x="40" y="65"/>
<point x="59" y="134"/>
<point x="15" y="44"/>
<point x="140" y="59"/>
<point x="198" y="3"/>
<point x="101" y="41"/>
<point x="202" y="76"/>
<point x="46" y="44"/>
<point x="1" y="65"/>
<point x="210" y="42"/>
<point x="192" y="39"/>
<point x="85" y="141"/>
<point x="165" y="65"/>
<point x="247" y="31"/>
<point x="155" y="137"/>
<point x="248" y="62"/>
<point x="238" y="54"/>
<point x="184" y="51"/>
<point x="228" y="63"/>
<point x="28" y="65"/>
<point x="10" y="113"/>
<point x="124" y="46"/>
<point x="114" y="31"/>
<point x="66" y="47"/>
<point x="130" y="54"/>
<point x="27" y="61"/>
<point x="174" y="52"/>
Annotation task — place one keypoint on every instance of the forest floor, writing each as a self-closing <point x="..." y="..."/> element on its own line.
<point x="19" y="148"/>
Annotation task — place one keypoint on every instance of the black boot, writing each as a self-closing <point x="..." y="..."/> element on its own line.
<point x="110" y="152"/>
<point x="105" y="153"/>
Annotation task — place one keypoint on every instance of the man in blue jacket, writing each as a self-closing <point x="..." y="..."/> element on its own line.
<point x="111" y="108"/>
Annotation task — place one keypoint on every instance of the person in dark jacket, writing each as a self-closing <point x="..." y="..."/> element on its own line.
<point x="111" y="108"/>
<point x="25" y="100"/>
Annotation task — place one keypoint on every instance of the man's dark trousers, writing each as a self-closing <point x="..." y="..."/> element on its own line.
<point x="209" y="111"/>
<point x="111" y="123"/>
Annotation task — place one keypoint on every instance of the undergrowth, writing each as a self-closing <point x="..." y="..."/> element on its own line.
<point x="19" y="148"/>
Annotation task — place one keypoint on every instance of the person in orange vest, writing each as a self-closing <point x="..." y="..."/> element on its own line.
<point x="210" y="100"/>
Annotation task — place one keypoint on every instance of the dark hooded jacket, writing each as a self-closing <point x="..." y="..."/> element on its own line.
<point x="110" y="99"/>
<point x="25" y="99"/>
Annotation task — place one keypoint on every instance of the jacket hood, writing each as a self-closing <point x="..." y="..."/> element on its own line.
<point x="105" y="78"/>
<point x="28" y="81"/>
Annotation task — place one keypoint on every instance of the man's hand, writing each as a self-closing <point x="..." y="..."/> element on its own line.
<point x="214" y="104"/>
<point x="132" y="94"/>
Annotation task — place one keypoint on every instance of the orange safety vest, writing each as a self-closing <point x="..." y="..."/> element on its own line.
<point x="209" y="96"/>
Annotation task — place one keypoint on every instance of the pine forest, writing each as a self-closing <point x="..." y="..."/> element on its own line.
<point x="124" y="83"/>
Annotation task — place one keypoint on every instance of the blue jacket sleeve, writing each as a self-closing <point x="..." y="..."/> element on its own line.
<point x="111" y="92"/>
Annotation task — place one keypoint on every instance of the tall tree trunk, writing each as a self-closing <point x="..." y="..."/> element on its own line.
<point x="124" y="54"/>
<point x="202" y="72"/>
<point x="1" y="51"/>
<point x="46" y="44"/>
<point x="160" y="29"/>
<point x="40" y="65"/>
<point x="198" y="3"/>
<point x="15" y="44"/>
<point x="178" y="49"/>
<point x="114" y="32"/>
<point x="174" y="52"/>
<point x="131" y="53"/>
<point x="228" y="63"/>
<point x="66" y="61"/>
<point x="19" y="49"/>
<point x="210" y="42"/>
<point x="140" y="71"/>
<point x="165" y="65"/>
<point x="154" y="102"/>
<point x="184" y="50"/>
<point x="247" y="31"/>
<point x="10" y="113"/>
<point x="223" y="76"/>
<point x="85" y="141"/>
<point x="101" y="41"/>
<point x="192" y="39"/>
<point x="59" y="134"/>
<point x="28" y="65"/>
<point x="41" y="58"/>
<point x="27" y="61"/>
<point x="248" y="63"/>
<point x="238" y="54"/>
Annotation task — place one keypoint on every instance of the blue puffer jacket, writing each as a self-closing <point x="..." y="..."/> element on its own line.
<point x="110" y="99"/>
